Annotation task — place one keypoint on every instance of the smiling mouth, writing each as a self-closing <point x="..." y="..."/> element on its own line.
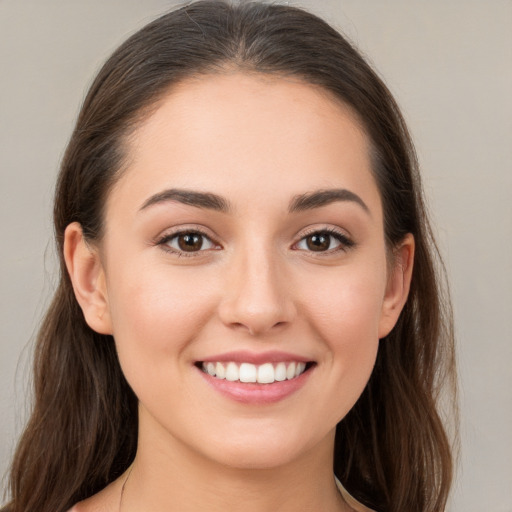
<point x="266" y="373"/>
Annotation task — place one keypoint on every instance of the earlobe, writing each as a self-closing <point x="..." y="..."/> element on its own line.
<point x="399" y="283"/>
<point x="88" y="279"/>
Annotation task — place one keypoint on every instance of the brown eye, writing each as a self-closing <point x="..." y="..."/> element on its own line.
<point x="318" y="242"/>
<point x="188" y="242"/>
<point x="324" y="241"/>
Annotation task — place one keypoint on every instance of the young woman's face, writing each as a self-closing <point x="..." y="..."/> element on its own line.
<point x="244" y="242"/>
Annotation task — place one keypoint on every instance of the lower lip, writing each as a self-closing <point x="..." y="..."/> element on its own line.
<point x="254" y="393"/>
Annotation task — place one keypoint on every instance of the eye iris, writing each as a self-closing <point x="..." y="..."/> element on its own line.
<point x="190" y="242"/>
<point x="318" y="242"/>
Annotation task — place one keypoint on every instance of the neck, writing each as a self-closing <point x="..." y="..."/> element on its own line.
<point x="167" y="475"/>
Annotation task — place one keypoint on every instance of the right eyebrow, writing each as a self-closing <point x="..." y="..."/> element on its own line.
<point x="205" y="200"/>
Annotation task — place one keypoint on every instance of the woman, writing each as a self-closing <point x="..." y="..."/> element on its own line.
<point x="248" y="296"/>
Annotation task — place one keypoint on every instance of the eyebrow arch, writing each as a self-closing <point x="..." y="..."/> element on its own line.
<point x="320" y="198"/>
<point x="205" y="200"/>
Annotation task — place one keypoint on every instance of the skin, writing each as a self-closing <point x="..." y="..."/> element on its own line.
<point x="258" y="142"/>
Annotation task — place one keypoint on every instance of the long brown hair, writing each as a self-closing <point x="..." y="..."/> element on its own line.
<point x="391" y="450"/>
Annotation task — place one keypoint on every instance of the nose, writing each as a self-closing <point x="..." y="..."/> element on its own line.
<point x="258" y="296"/>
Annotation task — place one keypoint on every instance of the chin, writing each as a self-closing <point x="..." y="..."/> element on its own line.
<point x="265" y="450"/>
<point x="257" y="458"/>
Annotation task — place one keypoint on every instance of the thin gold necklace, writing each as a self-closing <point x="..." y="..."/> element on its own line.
<point x="122" y="488"/>
<point x="338" y="484"/>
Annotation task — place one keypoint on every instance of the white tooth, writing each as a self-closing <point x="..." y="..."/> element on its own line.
<point x="300" y="368"/>
<point x="266" y="373"/>
<point x="210" y="368"/>
<point x="220" y="371"/>
<point x="280" y="372"/>
<point x="247" y="372"/>
<point x="232" y="372"/>
<point x="290" y="371"/>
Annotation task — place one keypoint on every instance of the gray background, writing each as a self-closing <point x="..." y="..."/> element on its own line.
<point x="448" y="62"/>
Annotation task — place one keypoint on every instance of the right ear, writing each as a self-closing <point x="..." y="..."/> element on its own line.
<point x="88" y="279"/>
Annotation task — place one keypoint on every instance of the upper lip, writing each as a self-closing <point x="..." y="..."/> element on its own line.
<point x="242" y="356"/>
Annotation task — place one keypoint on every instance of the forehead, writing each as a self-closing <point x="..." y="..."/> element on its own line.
<point x="248" y="136"/>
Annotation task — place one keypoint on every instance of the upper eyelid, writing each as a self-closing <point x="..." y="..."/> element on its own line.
<point x="311" y="230"/>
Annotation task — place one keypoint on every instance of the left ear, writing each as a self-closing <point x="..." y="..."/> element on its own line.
<point x="399" y="282"/>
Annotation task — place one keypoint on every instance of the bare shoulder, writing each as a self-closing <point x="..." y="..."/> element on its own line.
<point x="92" y="505"/>
<point x="106" y="500"/>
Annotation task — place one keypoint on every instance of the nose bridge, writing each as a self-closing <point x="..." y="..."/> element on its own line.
<point x="257" y="296"/>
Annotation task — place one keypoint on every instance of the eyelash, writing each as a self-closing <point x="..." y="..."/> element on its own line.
<point x="164" y="241"/>
<point x="345" y="242"/>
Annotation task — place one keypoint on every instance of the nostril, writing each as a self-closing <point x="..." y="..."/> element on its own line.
<point x="255" y="329"/>
<point x="256" y="308"/>
<point x="239" y="326"/>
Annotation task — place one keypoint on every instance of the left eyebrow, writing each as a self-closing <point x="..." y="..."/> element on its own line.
<point x="205" y="200"/>
<point x="320" y="198"/>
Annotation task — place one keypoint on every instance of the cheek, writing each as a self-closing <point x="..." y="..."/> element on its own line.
<point x="156" y="311"/>
<point x="347" y="303"/>
<point x="157" y="314"/>
<point x="344" y="311"/>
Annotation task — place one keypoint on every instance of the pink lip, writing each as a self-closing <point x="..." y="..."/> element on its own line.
<point x="242" y="356"/>
<point x="254" y="393"/>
